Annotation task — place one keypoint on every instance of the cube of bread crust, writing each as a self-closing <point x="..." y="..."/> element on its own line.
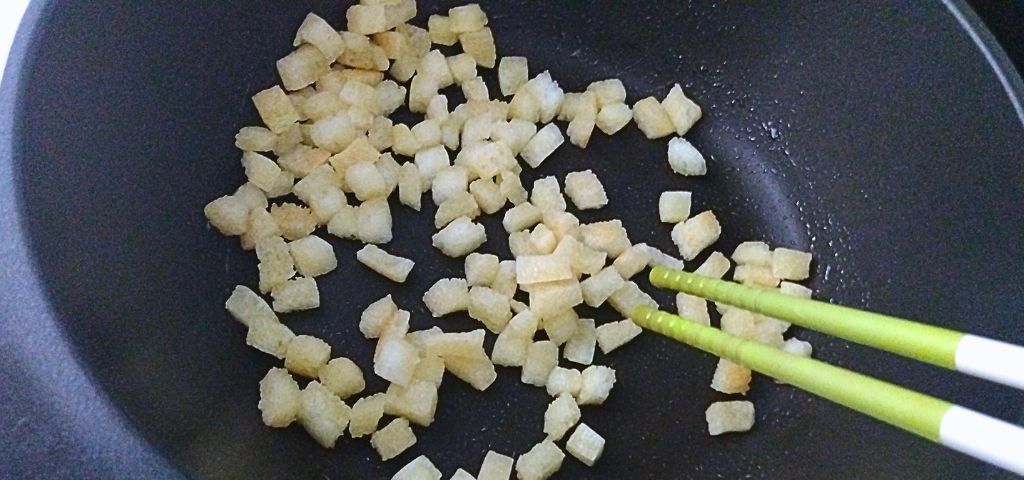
<point x="276" y="109"/>
<point x="421" y="468"/>
<point x="685" y="159"/>
<point x="797" y="347"/>
<point x="542" y="145"/>
<point x="600" y="286"/>
<point x="565" y="381"/>
<point x="302" y="67"/>
<point x="249" y="308"/>
<point x="608" y="92"/>
<point x="513" y="343"/>
<point x="259" y="170"/>
<point x="597" y="384"/>
<point x="633" y="260"/>
<point x="295" y="221"/>
<point x="681" y="110"/>
<point x="393" y="439"/>
<point x="430" y="161"/>
<point x="613" y="117"/>
<point x="463" y="67"/>
<point x="365" y="181"/>
<point x="437" y="109"/>
<point x="255" y="139"/>
<point x="495" y="467"/>
<point x="715" y="266"/>
<point x="581" y="127"/>
<point x="475" y="90"/>
<point x="416" y="401"/>
<point x="541" y="462"/>
<point x="461" y="204"/>
<point x="561" y="327"/>
<point x="323" y="415"/>
<point x="519" y="244"/>
<point x="532" y="269"/>
<point x="662" y="259"/>
<point x="515" y="134"/>
<point x="560" y="416"/>
<point x="321" y="191"/>
<point x="652" y="118"/>
<point x="489" y="307"/>
<point x="299" y="293"/>
<point x="755" y="275"/>
<point x="317" y="32"/>
<point x="395" y="359"/>
<point x="580" y="347"/>
<point x="794" y="290"/>
<point x="390" y="266"/>
<point x="282" y="185"/>
<point x="480" y="45"/>
<point x="521" y="217"/>
<point x="433" y="66"/>
<point x="513" y="72"/>
<point x="674" y="207"/>
<point x="585" y="190"/>
<point x="431" y="368"/>
<point x="276" y="264"/>
<point x="373" y="221"/>
<point x="731" y="378"/>
<point x="587" y="260"/>
<point x="377" y="316"/>
<point x="450" y="180"/>
<point x="611" y="336"/>
<point x="366" y="413"/>
<point x="739" y="323"/>
<point x="475" y="369"/>
<point x="280" y="398"/>
<point x="693" y="308"/>
<point x="487" y="194"/>
<point x="440" y="28"/>
<point x="541" y="358"/>
<point x="608" y="236"/>
<point x="543" y="241"/>
<point x="753" y="253"/>
<point x="789" y="264"/>
<point x="342" y="376"/>
<point x="585" y="444"/>
<point x="447" y="295"/>
<point x="270" y="338"/>
<point x="467" y="18"/>
<point x="361" y="53"/>
<point x="387" y="96"/>
<point x="228" y="214"/>
<point x="366" y="19"/>
<point x="696" y="234"/>
<point x="313" y="256"/>
<point x="552" y="298"/>
<point x="460" y="237"/>
<point x="410" y="186"/>
<point x="628" y="297"/>
<point x="303" y="159"/>
<point x="306" y="354"/>
<point x="725" y="417"/>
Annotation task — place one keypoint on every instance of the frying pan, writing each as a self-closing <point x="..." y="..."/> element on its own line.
<point x="886" y="138"/>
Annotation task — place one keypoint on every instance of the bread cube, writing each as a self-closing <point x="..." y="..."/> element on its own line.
<point x="317" y="32"/>
<point x="410" y="186"/>
<point x="373" y="219"/>
<point x="440" y="28"/>
<point x="731" y="378"/>
<point x="755" y="275"/>
<point x="282" y="185"/>
<point x="541" y="462"/>
<point x="434" y="67"/>
<point x="739" y="323"/>
<point x="543" y="241"/>
<point x="608" y="92"/>
<point x="461" y="474"/>
<point x="323" y="415"/>
<point x="513" y="73"/>
<point x="447" y="295"/>
<point x="532" y="269"/>
<point x="513" y="343"/>
<point x="366" y="412"/>
<point x="547" y="195"/>
<point x="295" y="221"/>
<point x="366" y="19"/>
<point x="611" y="336"/>
<point x="487" y="194"/>
<point x="299" y="293"/>
<point x="421" y="468"/>
<point x="561" y="327"/>
<point x="276" y="109"/>
<point x="552" y="298"/>
<point x="427" y="132"/>
<point x="489" y="307"/>
<point x="393" y="439"/>
<point x="306" y="354"/>
<point x="320" y="190"/>
<point x="696" y="234"/>
<point x="449" y="181"/>
<point x="463" y="67"/>
<point x="280" y="398"/>
<point x="260" y="171"/>
<point x="302" y="160"/>
<point x="255" y="139"/>
<point x="387" y="97"/>
<point x="479" y="44"/>
<point x="674" y="207"/>
<point x="430" y="162"/>
<point x="495" y="467"/>
<point x="541" y="358"/>
<point x="542" y="145"/>
<point x="790" y="264"/>
<point x="613" y="117"/>
<point x="395" y="359"/>
<point x="400" y="11"/>
<point x="390" y="266"/>
<point x="600" y="286"/>
<point x="587" y="260"/>
<point x="521" y="217"/>
<point x="725" y="417"/>
<point x="249" y="308"/>
<point x="475" y="90"/>
<point x="681" y="110"/>
<point x="753" y="253"/>
<point x="345" y="223"/>
<point x="585" y="444"/>
<point x="392" y="42"/>
<point x="797" y="347"/>
<point x="460" y="205"/>
<point x="313" y="256"/>
<point x="694" y="309"/>
<point x="608" y="236"/>
<point x="464" y="357"/>
<point x="416" y="401"/>
<point x="467" y="18"/>
<point x="564" y="381"/>
<point x="515" y="134"/>
<point x="481" y="269"/>
<point x="362" y="54"/>
<point x="632" y="261"/>
<point x="597" y="385"/>
<point x="584" y="119"/>
<point x="685" y="159"/>
<point x="794" y="290"/>
<point x="276" y="264"/>
<point x="715" y="266"/>
<point x="585" y="190"/>
<point x="271" y="338"/>
<point x="229" y="215"/>
<point x="580" y="347"/>
<point x="659" y="258"/>
<point x="560" y="416"/>
<point x="342" y="376"/>
<point x="652" y="118"/>
<point x="302" y="67"/>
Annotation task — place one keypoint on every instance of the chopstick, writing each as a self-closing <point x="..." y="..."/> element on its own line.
<point x="982" y="357"/>
<point x="975" y="434"/>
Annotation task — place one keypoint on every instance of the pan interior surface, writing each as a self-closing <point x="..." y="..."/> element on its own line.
<point x="880" y="138"/>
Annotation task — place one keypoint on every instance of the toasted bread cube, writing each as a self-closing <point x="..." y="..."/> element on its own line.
<point x="366" y="412"/>
<point x="430" y="162"/>
<point x="794" y="290"/>
<point x="437" y="109"/>
<point x="580" y="347"/>
<point x="388" y="168"/>
<point x="395" y="359"/>
<point x="280" y="398"/>
<point x="416" y="401"/>
<point x="302" y="67"/>
<point x="581" y="127"/>
<point x="387" y="97"/>
<point x="251" y="196"/>
<point x="600" y="286"/>
<point x="562" y="326"/>
<point x="632" y="261"/>
<point x="585" y="190"/>
<point x="260" y="171"/>
<point x="797" y="347"/>
<point x="461" y="474"/>
<point x="481" y="269"/>
<point x="276" y="264"/>
<point x="431" y="367"/>
<point x="693" y="308"/>
<point x="410" y="186"/>
<point x="358" y="94"/>
<point x="755" y="275"/>
<point x="674" y="207"/>
<point x="547" y="195"/>
<point x="270" y="338"/>
<point x="541" y="462"/>
<point x="715" y="266"/>
<point x="393" y="439"/>
<point x="276" y="109"/>
<point x="517" y="306"/>
<point x="521" y="217"/>
<point x="541" y="358"/>
<point x="230" y="215"/>
<point x="335" y="133"/>
<point x="365" y="181"/>
<point x="789" y="264"/>
<point x="476" y="369"/>
<point x="322" y="105"/>
<point x="662" y="259"/>
<point x="320" y="190"/>
<point x="488" y="195"/>
<point x="342" y="376"/>
<point x="366" y="19"/>
<point x="611" y="336"/>
<point x="519" y="244"/>
<point x="552" y="298"/>
<point x="585" y="444"/>
<point x="345" y="223"/>
<point x="362" y="54"/>
<point x="392" y="267"/>
<point x="479" y="44"/>
<point x="560" y="416"/>
<point x="532" y="269"/>
<point x="291" y="137"/>
<point x="392" y="42"/>
<point x="302" y="160"/>
<point x="570" y="105"/>
<point x="282" y="185"/>
<point x="683" y="112"/>
<point x="543" y="241"/>
<point x="295" y="221"/>
<point x="460" y="204"/>
<point x="460" y="237"/>
<point x="317" y="32"/>
<point x="609" y="237"/>
<point x="323" y="415"/>
<point x="489" y="307"/>
<point x="685" y="159"/>
<point x="597" y="385"/>
<point x="652" y="118"/>
<point x="495" y="467"/>
<point x="434" y="68"/>
<point x="475" y="90"/>
<point x="467" y="18"/>
<point x="725" y="417"/>
<point x="313" y="256"/>
<point x="306" y="354"/>
<point x="447" y="295"/>
<point x="515" y="134"/>
<point x="513" y="73"/>
<point x="731" y="378"/>
<point x="525" y="105"/>
<point x="400" y="11"/>
<point x="548" y="94"/>
<point x="696" y="234"/>
<point x="542" y="145"/>
<point x="440" y="28"/>
<point x="608" y="92"/>
<point x="564" y="381"/>
<point x="753" y="253"/>
<point x="449" y="180"/>
<point x="513" y="343"/>
<point x="463" y="67"/>
<point x="373" y="219"/>
<point x="586" y="260"/>
<point x="249" y="308"/>
<point x="613" y="117"/>
<point x="421" y="468"/>
<point x="628" y="297"/>
<point x="739" y="323"/>
<point x="255" y="139"/>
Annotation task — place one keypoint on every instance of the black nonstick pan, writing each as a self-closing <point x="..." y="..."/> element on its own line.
<point x="887" y="138"/>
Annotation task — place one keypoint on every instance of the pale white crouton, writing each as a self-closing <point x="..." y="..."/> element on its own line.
<point x="662" y="259"/>
<point x="541" y="358"/>
<point x="467" y="18"/>
<point x="460" y="204"/>
<point x="395" y="359"/>
<point x="461" y="474"/>
<point x="282" y="186"/>
<point x="366" y="19"/>
<point x="276" y="109"/>
<point x="447" y="295"/>
<point x="731" y="378"/>
<point x="437" y="109"/>
<point x="431" y="367"/>
<point x="416" y="401"/>
<point x="392" y="267"/>
<point x="320" y="190"/>
<point x="421" y="468"/>
<point x="302" y="67"/>
<point x="725" y="417"/>
<point x="543" y="241"/>
<point x="560" y="416"/>
<point x="255" y="139"/>
<point x="387" y="97"/>
<point x="449" y="181"/>
<point x="260" y="171"/>
<point x="294" y="221"/>
<point x="564" y="381"/>
<point x="532" y="269"/>
<point x="561" y="326"/>
<point x="552" y="298"/>
<point x="430" y="162"/>
<point x="479" y="45"/>
<point x="460" y="237"/>
<point x="541" y="462"/>
<point x="302" y="159"/>
<point x="715" y="266"/>
<point x="652" y="118"/>
<point x="753" y="253"/>
<point x="495" y="467"/>
<point x="587" y="260"/>
<point x="468" y="361"/>
<point x="542" y="145"/>
<point x="790" y="264"/>
<point x="393" y="439"/>
<point x="323" y="415"/>
<point x="674" y="207"/>
<point x="410" y="186"/>
<point x="739" y="323"/>
<point x="513" y="73"/>
<point x="515" y="134"/>
<point x="300" y="293"/>
<point x="373" y="219"/>
<point x="366" y="413"/>
<point x="280" y="398"/>
<point x="632" y="261"/>
<point x="794" y="290"/>
<point x="306" y="354"/>
<point x="313" y="256"/>
<point x="685" y="159"/>
<point x="489" y="307"/>
<point x="519" y="244"/>
<point x="463" y="67"/>
<point x="481" y="268"/>
<point x="270" y="338"/>
<point x="358" y="94"/>
<point x="342" y="376"/>
<point x="755" y="275"/>
<point x="524" y="105"/>
<point x="607" y="92"/>
<point x="475" y="90"/>
<point x="488" y="195"/>
<point x="365" y="181"/>
<point x="440" y="28"/>
<point x="317" y="32"/>
<point x="608" y="236"/>
<point x="427" y="132"/>
<point x="683" y="112"/>
<point x="585" y="190"/>
<point x="696" y="234"/>
<point x="580" y="347"/>
<point x="513" y="343"/>
<point x="611" y="336"/>
<point x="693" y="308"/>
<point x="797" y="347"/>
<point x="581" y="127"/>
<point x="586" y="445"/>
<point x="600" y="286"/>
<point x="598" y="381"/>
<point x="521" y="217"/>
<point x="613" y="117"/>
<point x="249" y="308"/>
<point x="345" y="223"/>
<point x="229" y="215"/>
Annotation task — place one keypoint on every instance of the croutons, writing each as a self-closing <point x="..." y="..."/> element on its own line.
<point x="392" y="267"/>
<point x="609" y="237"/>
<point x="652" y="118"/>
<point x="313" y="256"/>
<point x="561" y="415"/>
<point x="532" y="269"/>
<point x="542" y="461"/>
<point x="542" y="145"/>
<point x="693" y="308"/>
<point x="295" y="221"/>
<point x="696" y="234"/>
<point x="489" y="307"/>
<point x="600" y="286"/>
<point x="585" y="444"/>
<point x="322" y="414"/>
<point x="611" y="336"/>
<point x="521" y="217"/>
<point x="302" y="67"/>
<point x="613" y="118"/>
<point x="395" y="359"/>
<point x="632" y="261"/>
<point x="731" y="378"/>
<point x="674" y="207"/>
<point x="585" y="190"/>
<point x="306" y="354"/>
<point x="280" y="398"/>
<point x="685" y="159"/>
<point x="597" y="385"/>
<point x="495" y="467"/>
<point x="797" y="347"/>
<point x="460" y="237"/>
<point x="790" y="264"/>
<point x="513" y="73"/>
<point x="366" y="413"/>
<point x="725" y="417"/>
<point x="628" y="297"/>
<point x="541" y="358"/>
<point x="715" y="266"/>
<point x="552" y="298"/>
<point x="276" y="109"/>
<point x="681" y="110"/>
<point x="416" y="401"/>
<point x="341" y="376"/>
<point x="421" y="468"/>
<point x="579" y="348"/>
<point x="248" y="308"/>
<point x="564" y="381"/>
<point x="513" y="343"/>
<point x="393" y="439"/>
<point x="300" y="293"/>
<point x="447" y="295"/>
<point x="317" y="32"/>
